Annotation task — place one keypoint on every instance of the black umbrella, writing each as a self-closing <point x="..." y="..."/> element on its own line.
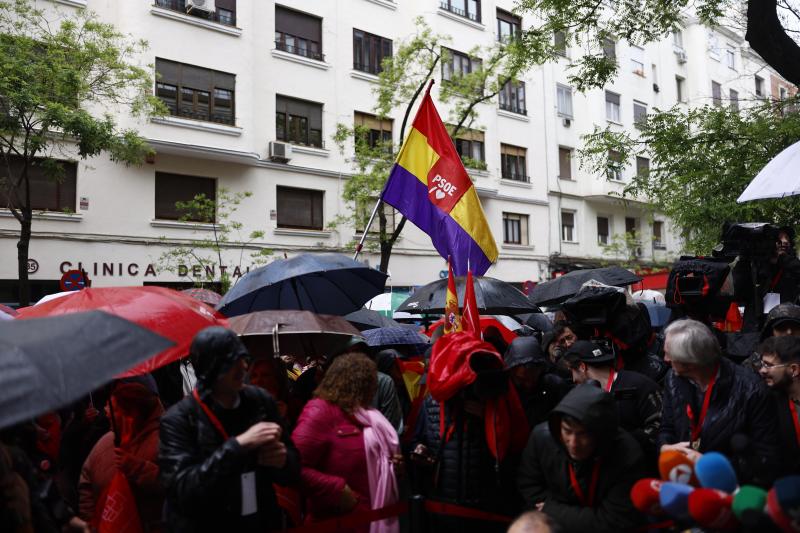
<point x="47" y="363"/>
<point x="494" y="297"/>
<point x="369" y="319"/>
<point x="328" y="283"/>
<point x="558" y="290"/>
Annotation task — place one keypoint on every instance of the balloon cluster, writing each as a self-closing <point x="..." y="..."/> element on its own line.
<point x="707" y="494"/>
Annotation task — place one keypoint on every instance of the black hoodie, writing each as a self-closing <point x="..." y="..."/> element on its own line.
<point x="544" y="472"/>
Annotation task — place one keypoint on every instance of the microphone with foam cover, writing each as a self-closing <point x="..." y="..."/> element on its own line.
<point x="645" y="495"/>
<point x="783" y="504"/>
<point x="711" y="508"/>
<point x="675" y="466"/>
<point x="674" y="499"/>
<point x="714" y="471"/>
<point x="749" y="507"/>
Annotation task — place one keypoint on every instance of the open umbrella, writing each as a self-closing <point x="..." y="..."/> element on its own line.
<point x="204" y="295"/>
<point x="387" y="302"/>
<point x="324" y="283"/>
<point x="494" y="297"/>
<point x="556" y="291"/>
<point x="303" y="334"/>
<point x="777" y="179"/>
<point x="397" y="336"/>
<point x="47" y="363"/>
<point x="369" y="319"/>
<point x="164" y="311"/>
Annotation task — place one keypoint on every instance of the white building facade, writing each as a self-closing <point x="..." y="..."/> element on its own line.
<point x="257" y="80"/>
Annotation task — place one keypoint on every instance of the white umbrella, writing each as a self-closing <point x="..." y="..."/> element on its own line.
<point x="780" y="177"/>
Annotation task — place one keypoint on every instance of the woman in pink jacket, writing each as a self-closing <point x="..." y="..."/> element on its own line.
<point x="348" y="450"/>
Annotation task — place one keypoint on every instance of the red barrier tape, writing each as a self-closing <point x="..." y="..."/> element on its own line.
<point x="464" y="512"/>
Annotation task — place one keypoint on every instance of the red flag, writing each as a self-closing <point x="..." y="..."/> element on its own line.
<point x="452" y="318"/>
<point x="470" y="320"/>
<point x="118" y="513"/>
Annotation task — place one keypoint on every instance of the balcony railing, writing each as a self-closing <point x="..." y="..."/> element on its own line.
<point x="513" y="107"/>
<point x="223" y="16"/>
<point x="513" y="176"/>
<point x="298" y="46"/>
<point x="368" y="68"/>
<point x="444" y="4"/>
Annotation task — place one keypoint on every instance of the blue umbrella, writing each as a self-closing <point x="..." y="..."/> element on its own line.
<point x="327" y="283"/>
<point x="659" y="314"/>
<point x="397" y="336"/>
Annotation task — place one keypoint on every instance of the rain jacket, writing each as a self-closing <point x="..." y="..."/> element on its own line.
<point x="201" y="471"/>
<point x="544" y="472"/>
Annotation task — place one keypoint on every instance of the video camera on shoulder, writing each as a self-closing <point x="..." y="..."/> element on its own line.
<point x="594" y="307"/>
<point x="750" y="240"/>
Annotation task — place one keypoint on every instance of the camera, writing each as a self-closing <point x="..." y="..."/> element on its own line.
<point x="750" y="240"/>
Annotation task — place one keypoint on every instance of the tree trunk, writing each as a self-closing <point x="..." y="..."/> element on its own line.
<point x="768" y="38"/>
<point x="22" y="258"/>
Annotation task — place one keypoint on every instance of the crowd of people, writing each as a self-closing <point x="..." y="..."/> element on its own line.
<point x="552" y="429"/>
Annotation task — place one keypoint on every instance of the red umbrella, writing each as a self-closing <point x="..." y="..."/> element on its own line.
<point x="204" y="295"/>
<point x="486" y="321"/>
<point x="169" y="313"/>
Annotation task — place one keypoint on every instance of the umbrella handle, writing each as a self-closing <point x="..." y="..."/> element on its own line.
<point x="276" y="346"/>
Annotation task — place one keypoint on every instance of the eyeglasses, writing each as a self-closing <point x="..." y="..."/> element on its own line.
<point x="760" y="363"/>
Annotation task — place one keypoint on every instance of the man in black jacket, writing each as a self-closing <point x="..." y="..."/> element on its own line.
<point x="579" y="467"/>
<point x="223" y="446"/>
<point x="708" y="401"/>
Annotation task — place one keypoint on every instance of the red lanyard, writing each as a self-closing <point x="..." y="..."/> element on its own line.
<point x="612" y="377"/>
<point x="210" y="414"/>
<point x="576" y="487"/>
<point x="793" y="409"/>
<point x="697" y="426"/>
<point x="776" y="279"/>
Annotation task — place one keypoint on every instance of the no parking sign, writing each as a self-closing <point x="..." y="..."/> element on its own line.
<point x="74" y="280"/>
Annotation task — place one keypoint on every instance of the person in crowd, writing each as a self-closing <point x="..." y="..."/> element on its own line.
<point x="348" y="450"/>
<point x="223" y="446"/>
<point x="538" y="391"/>
<point x="708" y="400"/>
<point x="131" y="448"/>
<point x="579" y="466"/>
<point x="533" y="522"/>
<point x="555" y="343"/>
<point x="387" y="362"/>
<point x="782" y="320"/>
<point x="638" y="397"/>
<point x="779" y="366"/>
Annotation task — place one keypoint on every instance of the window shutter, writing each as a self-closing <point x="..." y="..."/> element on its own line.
<point x="172" y="188"/>
<point x="297" y="23"/>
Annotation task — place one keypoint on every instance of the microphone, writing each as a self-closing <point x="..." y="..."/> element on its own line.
<point x="714" y="471"/>
<point x="645" y="495"/>
<point x="748" y="506"/>
<point x="711" y="508"/>
<point x="783" y="503"/>
<point x="674" y="499"/>
<point x="677" y="467"/>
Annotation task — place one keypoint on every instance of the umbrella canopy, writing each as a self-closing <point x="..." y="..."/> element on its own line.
<point x="47" y="363"/>
<point x="494" y="297"/>
<point x="325" y="283"/>
<point x="659" y="313"/>
<point x="387" y="303"/>
<point x="303" y="334"/>
<point x="369" y="319"/>
<point x="164" y="311"/>
<point x="556" y="291"/>
<point x="206" y="296"/>
<point x="397" y="336"/>
<point x="54" y="296"/>
<point x="777" y="179"/>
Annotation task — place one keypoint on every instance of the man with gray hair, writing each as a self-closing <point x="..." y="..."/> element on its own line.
<point x="712" y="404"/>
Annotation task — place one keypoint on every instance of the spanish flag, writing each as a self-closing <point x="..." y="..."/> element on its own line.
<point x="452" y="318"/>
<point x="429" y="185"/>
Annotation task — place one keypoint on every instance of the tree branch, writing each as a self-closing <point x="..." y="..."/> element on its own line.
<point x="768" y="38"/>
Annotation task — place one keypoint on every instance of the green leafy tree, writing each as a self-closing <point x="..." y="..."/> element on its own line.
<point x="60" y="77"/>
<point x="224" y="234"/>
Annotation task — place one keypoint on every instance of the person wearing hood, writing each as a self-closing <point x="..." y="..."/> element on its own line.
<point x="223" y="446"/>
<point x="579" y="466"/>
<point x="539" y="391"/>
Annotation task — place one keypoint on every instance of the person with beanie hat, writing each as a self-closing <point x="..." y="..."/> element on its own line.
<point x="539" y="391"/>
<point x="223" y="446"/>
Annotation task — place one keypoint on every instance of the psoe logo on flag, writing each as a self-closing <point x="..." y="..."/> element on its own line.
<point x="441" y="187"/>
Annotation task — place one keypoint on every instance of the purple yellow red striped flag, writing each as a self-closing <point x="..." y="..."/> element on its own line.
<point x="430" y="186"/>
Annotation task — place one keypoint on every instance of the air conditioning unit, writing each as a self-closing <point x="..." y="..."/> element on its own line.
<point x="207" y="6"/>
<point x="567" y="122"/>
<point x="280" y="152"/>
<point x="681" y="55"/>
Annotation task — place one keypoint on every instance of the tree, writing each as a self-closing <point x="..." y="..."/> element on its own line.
<point x="207" y="252"/>
<point x="56" y="78"/>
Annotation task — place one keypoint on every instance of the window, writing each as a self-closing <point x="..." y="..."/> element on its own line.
<point x="612" y="107"/>
<point x="225" y="12"/>
<point x="658" y="235"/>
<point x="195" y="92"/>
<point x="602" y="230"/>
<point x="376" y="132"/>
<point x="782" y="93"/>
<point x="298" y="33"/>
<point x="759" y="86"/>
<point x="560" y="43"/>
<point x="716" y="93"/>
<point x="642" y="166"/>
<point x="564" y="163"/>
<point x="734" y="97"/>
<point x="298" y="121"/>
<point x="369" y="51"/>
<point x="47" y="193"/>
<point x="677" y="39"/>
<point x="632" y="226"/>
<point x="299" y="208"/>
<point x="515" y="228"/>
<point x="680" y="89"/>
<point x="470" y="9"/>
<point x="512" y="163"/>
<point x="470" y="146"/>
<point x="713" y="46"/>
<point x="173" y="188"/>
<point x="568" y="226"/>
<point x="508" y="26"/>
<point x="512" y="97"/>
<point x="614" y="171"/>
<point x="609" y="48"/>
<point x="459" y="65"/>
<point x="730" y="58"/>
<point x="639" y="114"/>
<point x="564" y="101"/>
<point x="637" y="60"/>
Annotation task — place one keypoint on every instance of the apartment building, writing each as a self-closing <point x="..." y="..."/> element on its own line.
<point x="255" y="90"/>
